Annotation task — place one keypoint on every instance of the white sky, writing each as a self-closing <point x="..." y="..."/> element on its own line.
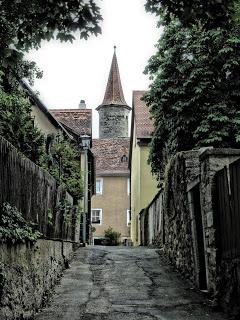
<point x="80" y="70"/>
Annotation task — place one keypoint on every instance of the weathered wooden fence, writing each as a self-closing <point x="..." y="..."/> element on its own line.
<point x="228" y="209"/>
<point x="35" y="193"/>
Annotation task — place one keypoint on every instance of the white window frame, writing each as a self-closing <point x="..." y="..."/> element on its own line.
<point x="101" y="185"/>
<point x="100" y="216"/>
<point x="128" y="217"/>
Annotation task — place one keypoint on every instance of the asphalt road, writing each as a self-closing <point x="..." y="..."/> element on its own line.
<point x="118" y="283"/>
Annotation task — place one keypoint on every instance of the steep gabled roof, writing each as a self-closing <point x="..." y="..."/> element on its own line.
<point x="77" y="120"/>
<point x="38" y="103"/>
<point x="141" y="115"/>
<point x="114" y="92"/>
<point x="111" y="155"/>
<point x="141" y="122"/>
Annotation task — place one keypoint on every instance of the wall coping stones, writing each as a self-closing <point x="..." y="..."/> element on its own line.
<point x="219" y="152"/>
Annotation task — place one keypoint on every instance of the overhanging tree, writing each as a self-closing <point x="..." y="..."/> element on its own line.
<point x="209" y="12"/>
<point x="195" y="88"/>
<point x="24" y="24"/>
<point x="16" y="125"/>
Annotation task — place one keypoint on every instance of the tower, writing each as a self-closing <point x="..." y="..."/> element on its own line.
<point x="114" y="111"/>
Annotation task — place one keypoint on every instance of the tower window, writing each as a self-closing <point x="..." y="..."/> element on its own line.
<point x="124" y="158"/>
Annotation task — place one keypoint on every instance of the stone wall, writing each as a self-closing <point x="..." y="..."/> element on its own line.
<point x="113" y="122"/>
<point x="151" y="221"/>
<point x="190" y="232"/>
<point x="28" y="273"/>
<point x="177" y="239"/>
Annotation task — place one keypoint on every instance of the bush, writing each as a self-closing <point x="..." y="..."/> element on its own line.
<point x="13" y="226"/>
<point x="61" y="160"/>
<point x="112" y="238"/>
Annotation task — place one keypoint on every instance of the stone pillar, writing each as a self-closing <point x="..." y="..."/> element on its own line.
<point x="211" y="161"/>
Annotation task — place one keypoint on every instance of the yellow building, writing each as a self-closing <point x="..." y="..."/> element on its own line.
<point x="42" y="117"/>
<point x="143" y="184"/>
<point x="110" y="205"/>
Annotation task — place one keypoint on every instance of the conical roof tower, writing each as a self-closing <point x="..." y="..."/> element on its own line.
<point x="113" y="111"/>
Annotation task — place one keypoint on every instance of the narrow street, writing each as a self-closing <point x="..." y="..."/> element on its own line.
<point x="124" y="283"/>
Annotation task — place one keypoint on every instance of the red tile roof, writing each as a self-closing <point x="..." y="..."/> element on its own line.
<point x="144" y="125"/>
<point x="78" y="120"/>
<point x="111" y="155"/>
<point x="114" y="92"/>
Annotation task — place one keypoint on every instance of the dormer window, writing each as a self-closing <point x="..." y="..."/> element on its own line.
<point x="124" y="158"/>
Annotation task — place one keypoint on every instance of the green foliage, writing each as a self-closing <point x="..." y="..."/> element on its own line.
<point x="24" y="24"/>
<point x="78" y="212"/>
<point x="62" y="162"/>
<point x="112" y="238"/>
<point x="93" y="229"/>
<point x="13" y="226"/>
<point x="50" y="217"/>
<point x="68" y="210"/>
<point x="16" y="125"/>
<point x="195" y="90"/>
<point x="209" y="12"/>
<point x="2" y="280"/>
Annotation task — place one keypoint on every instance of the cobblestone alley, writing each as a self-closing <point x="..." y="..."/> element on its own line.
<point x="106" y="283"/>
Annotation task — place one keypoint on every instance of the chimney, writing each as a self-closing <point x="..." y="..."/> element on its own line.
<point x="82" y="104"/>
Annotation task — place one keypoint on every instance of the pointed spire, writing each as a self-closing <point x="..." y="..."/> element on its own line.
<point x="114" y="92"/>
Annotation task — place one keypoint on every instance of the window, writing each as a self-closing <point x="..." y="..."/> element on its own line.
<point x="99" y="186"/>
<point x="124" y="158"/>
<point x="96" y="216"/>
<point x="128" y="217"/>
<point x="128" y="186"/>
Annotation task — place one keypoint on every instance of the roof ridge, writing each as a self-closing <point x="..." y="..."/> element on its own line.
<point x="70" y="110"/>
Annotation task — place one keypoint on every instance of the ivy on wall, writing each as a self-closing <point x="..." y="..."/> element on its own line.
<point x="61" y="160"/>
<point x="14" y="227"/>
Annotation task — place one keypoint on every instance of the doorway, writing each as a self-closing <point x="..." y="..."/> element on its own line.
<point x="199" y="238"/>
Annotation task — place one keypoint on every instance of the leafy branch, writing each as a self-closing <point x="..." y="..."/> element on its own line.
<point x="13" y="226"/>
<point x="193" y="97"/>
<point x="61" y="160"/>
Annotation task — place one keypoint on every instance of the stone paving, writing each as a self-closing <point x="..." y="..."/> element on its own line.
<point x="118" y="283"/>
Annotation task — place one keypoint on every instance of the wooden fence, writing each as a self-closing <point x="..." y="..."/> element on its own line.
<point x="35" y="193"/>
<point x="228" y="210"/>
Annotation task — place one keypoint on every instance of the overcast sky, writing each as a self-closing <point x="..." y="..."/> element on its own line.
<point x="80" y="70"/>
